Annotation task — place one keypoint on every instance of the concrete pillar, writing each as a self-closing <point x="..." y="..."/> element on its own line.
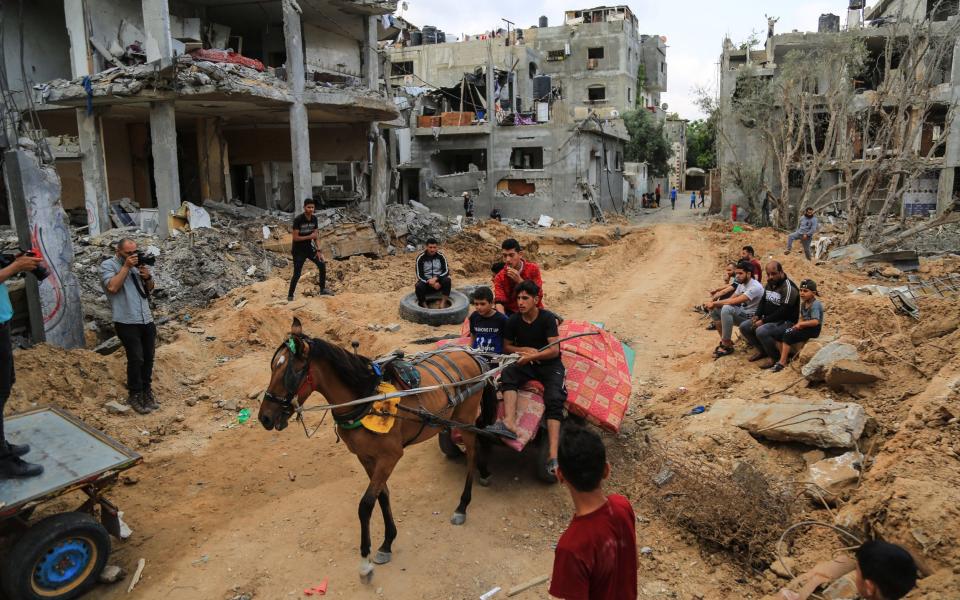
<point x="96" y="192"/>
<point x="371" y="59"/>
<point x="56" y="315"/>
<point x="299" y="120"/>
<point x="379" y="183"/>
<point x="210" y="150"/>
<point x="166" y="173"/>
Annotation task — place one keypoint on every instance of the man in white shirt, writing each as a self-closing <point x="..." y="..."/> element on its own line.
<point x="736" y="309"/>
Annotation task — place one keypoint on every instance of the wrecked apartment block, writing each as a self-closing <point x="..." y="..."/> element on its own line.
<point x="528" y="122"/>
<point x="159" y="102"/>
<point x="882" y="141"/>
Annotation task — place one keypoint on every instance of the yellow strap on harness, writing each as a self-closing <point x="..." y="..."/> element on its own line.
<point x="383" y="414"/>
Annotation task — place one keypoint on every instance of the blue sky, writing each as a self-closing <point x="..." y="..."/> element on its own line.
<point x="694" y="28"/>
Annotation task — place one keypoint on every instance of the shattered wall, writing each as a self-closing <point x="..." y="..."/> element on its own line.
<point x="114" y="22"/>
<point x="329" y="50"/>
<point x="46" y="47"/>
<point x="60" y="291"/>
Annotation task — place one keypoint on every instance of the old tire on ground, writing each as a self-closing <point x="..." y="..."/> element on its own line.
<point x="58" y="558"/>
<point x="452" y="315"/>
<point x="447" y="445"/>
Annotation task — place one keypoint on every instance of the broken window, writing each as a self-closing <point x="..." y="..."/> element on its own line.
<point x="596" y="93"/>
<point x="932" y="143"/>
<point x="447" y="162"/>
<point x="941" y="10"/>
<point x="516" y="187"/>
<point x="795" y="178"/>
<point x="533" y="70"/>
<point x="595" y="53"/>
<point x="526" y="158"/>
<point x="399" y="69"/>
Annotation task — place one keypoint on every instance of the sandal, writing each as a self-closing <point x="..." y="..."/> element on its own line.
<point x="711" y="327"/>
<point x="722" y="350"/>
<point x="501" y="430"/>
<point x="776" y="368"/>
<point x="552" y="466"/>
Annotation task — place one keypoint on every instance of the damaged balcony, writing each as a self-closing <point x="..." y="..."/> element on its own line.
<point x="363" y="7"/>
<point x="227" y="90"/>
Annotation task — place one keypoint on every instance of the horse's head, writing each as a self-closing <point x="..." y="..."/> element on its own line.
<point x="289" y="376"/>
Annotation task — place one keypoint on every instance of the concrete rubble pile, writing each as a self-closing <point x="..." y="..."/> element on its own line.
<point x="414" y="224"/>
<point x="191" y="268"/>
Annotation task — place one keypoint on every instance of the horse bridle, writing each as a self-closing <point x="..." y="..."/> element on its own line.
<point x="293" y="380"/>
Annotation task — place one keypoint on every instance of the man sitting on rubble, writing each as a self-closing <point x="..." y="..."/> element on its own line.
<point x="740" y="307"/>
<point x="884" y="571"/>
<point x="808" y="226"/>
<point x="305" y="247"/>
<point x="525" y="333"/>
<point x="515" y="271"/>
<point x="433" y="275"/>
<point x="723" y="292"/>
<point x="778" y="310"/>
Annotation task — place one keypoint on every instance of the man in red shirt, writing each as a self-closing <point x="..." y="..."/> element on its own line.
<point x="596" y="557"/>
<point x="514" y="270"/>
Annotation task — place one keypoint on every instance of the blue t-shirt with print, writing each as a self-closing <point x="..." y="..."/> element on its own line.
<point x="487" y="332"/>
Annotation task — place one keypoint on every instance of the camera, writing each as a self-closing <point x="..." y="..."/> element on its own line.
<point x="40" y="272"/>
<point x="146" y="259"/>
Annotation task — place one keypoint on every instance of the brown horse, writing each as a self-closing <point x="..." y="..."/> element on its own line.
<point x="302" y="365"/>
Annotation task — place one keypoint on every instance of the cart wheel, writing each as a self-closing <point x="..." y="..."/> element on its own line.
<point x="447" y="446"/>
<point x="543" y="455"/>
<point x="58" y="558"/>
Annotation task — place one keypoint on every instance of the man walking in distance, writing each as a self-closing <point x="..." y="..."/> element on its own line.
<point x="305" y="232"/>
<point x="128" y="285"/>
<point x="657" y="194"/>
<point x="673" y="198"/>
<point x="11" y="465"/>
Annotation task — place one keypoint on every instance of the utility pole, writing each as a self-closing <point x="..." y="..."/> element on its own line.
<point x="492" y="120"/>
<point x="509" y="23"/>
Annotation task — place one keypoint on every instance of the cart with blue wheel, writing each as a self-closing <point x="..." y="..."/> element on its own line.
<point x="59" y="556"/>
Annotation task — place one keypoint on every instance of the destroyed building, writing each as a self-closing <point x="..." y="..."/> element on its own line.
<point x="556" y="144"/>
<point x="934" y="136"/>
<point x="160" y="102"/>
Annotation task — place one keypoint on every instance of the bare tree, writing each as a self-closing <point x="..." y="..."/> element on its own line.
<point x="861" y="105"/>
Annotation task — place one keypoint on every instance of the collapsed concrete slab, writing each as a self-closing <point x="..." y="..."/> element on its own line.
<point x="824" y="424"/>
<point x="851" y="372"/>
<point x="816" y="369"/>
<point x="834" y="475"/>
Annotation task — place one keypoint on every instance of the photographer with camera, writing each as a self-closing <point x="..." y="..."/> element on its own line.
<point x="128" y="282"/>
<point x="11" y="465"/>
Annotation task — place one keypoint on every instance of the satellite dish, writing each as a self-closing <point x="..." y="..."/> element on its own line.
<point x="664" y="107"/>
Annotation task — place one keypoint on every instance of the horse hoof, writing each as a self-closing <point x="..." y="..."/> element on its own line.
<point x="366" y="578"/>
<point x="366" y="570"/>
<point x="382" y="558"/>
<point x="458" y="519"/>
<point x="485" y="481"/>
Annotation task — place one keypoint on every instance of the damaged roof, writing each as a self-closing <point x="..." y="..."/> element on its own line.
<point x="231" y="90"/>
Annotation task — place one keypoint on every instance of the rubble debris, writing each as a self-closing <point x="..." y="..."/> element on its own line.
<point x="706" y="500"/>
<point x="111" y="574"/>
<point x="115" y="408"/>
<point x="834" y="475"/>
<point x="824" y="424"/>
<point x="110" y="346"/>
<point x="816" y="369"/>
<point x="851" y="372"/>
<point x="904" y="260"/>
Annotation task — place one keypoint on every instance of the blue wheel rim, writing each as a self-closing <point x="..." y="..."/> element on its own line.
<point x="63" y="563"/>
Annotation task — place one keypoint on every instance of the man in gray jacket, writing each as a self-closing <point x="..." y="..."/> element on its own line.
<point x="804" y="233"/>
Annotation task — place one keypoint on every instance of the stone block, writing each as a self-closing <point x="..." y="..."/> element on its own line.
<point x="851" y="372"/>
<point x="824" y="424"/>
<point x="835" y="474"/>
<point x="816" y="369"/>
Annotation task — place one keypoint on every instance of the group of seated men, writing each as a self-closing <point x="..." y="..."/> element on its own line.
<point x="772" y="318"/>
<point x="509" y="319"/>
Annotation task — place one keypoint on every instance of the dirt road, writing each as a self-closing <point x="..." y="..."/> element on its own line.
<point x="245" y="511"/>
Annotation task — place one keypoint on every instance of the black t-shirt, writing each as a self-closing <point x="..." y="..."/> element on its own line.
<point x="305" y="227"/>
<point x="532" y="335"/>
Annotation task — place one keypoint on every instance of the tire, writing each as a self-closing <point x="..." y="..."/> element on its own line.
<point x="34" y="567"/>
<point x="447" y="446"/>
<point x="452" y="315"/>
